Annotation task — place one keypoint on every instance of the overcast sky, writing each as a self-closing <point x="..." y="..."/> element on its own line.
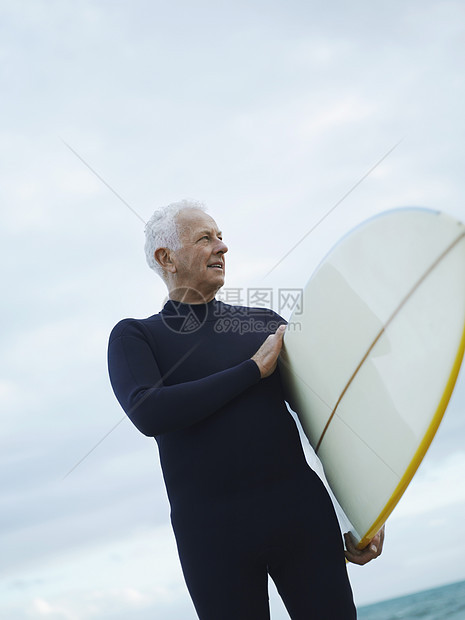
<point x="269" y="112"/>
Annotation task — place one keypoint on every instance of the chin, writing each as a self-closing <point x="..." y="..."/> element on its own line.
<point x="219" y="284"/>
<point x="219" y="277"/>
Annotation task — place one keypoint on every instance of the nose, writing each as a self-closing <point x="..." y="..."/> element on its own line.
<point x="221" y="247"/>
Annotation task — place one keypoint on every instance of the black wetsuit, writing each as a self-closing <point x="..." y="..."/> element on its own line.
<point x="244" y="502"/>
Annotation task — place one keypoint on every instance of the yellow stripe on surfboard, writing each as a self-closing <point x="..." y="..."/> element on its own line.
<point x="421" y="450"/>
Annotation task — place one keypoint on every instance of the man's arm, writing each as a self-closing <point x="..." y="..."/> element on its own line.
<point x="155" y="408"/>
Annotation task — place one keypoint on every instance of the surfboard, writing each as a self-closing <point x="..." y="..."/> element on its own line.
<point x="372" y="354"/>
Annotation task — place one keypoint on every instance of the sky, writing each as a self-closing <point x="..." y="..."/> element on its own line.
<point x="269" y="112"/>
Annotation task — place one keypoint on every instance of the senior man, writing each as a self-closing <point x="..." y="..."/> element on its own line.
<point x="201" y="377"/>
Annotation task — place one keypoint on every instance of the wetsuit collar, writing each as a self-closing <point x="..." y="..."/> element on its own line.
<point x="178" y="308"/>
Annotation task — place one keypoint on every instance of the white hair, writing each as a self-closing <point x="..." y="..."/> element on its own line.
<point x="161" y="231"/>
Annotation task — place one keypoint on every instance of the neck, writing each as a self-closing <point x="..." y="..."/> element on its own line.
<point x="188" y="295"/>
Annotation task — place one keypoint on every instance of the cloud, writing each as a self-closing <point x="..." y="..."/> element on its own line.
<point x="269" y="112"/>
<point x="137" y="576"/>
<point x="437" y="486"/>
<point x="42" y="607"/>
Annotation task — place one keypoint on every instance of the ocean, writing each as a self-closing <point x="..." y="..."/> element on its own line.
<point x="445" y="602"/>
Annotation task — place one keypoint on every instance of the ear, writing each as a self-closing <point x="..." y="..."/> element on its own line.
<point x="164" y="259"/>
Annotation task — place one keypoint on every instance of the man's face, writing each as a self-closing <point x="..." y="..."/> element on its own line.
<point x="200" y="261"/>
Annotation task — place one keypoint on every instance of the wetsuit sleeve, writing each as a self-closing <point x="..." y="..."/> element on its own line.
<point x="288" y="397"/>
<point x="155" y="408"/>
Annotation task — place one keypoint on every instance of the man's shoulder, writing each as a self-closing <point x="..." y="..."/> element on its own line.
<point x="134" y="327"/>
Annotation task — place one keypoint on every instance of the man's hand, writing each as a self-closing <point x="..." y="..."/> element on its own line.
<point x="266" y="357"/>
<point x="368" y="553"/>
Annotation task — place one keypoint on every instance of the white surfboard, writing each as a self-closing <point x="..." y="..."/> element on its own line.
<point x="371" y="358"/>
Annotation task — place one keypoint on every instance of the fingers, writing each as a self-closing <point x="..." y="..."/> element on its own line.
<point x="267" y="355"/>
<point x="380" y="540"/>
<point x="278" y="336"/>
<point x="368" y="553"/>
<point x="276" y="340"/>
